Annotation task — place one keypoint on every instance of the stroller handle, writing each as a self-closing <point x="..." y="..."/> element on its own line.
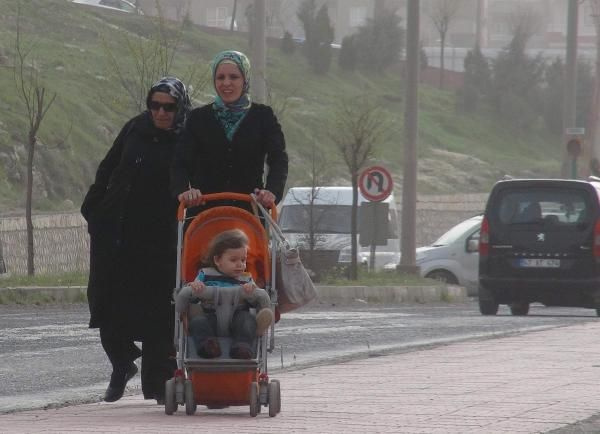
<point x="212" y="197"/>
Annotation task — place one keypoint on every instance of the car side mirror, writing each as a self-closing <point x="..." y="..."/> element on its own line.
<point x="472" y="245"/>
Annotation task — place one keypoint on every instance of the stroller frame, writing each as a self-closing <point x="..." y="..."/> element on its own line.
<point x="223" y="382"/>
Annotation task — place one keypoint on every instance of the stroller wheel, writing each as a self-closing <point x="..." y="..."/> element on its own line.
<point x="170" y="404"/>
<point x="253" y="398"/>
<point x="190" y="400"/>
<point x="274" y="398"/>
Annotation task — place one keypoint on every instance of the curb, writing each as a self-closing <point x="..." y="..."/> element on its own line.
<point x="390" y="294"/>
<point x="325" y="294"/>
<point x="44" y="294"/>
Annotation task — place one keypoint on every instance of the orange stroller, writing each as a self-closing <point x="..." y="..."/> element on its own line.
<point x="222" y="382"/>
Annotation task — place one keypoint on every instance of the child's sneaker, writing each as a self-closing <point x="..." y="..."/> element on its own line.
<point x="264" y="319"/>
<point x="240" y="352"/>
<point x="210" y="350"/>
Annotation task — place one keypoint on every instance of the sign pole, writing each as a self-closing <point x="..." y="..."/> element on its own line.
<point x="375" y="184"/>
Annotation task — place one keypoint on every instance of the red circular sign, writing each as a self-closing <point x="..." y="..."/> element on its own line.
<point x="375" y="183"/>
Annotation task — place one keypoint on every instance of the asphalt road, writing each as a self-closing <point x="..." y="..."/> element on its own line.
<point x="49" y="357"/>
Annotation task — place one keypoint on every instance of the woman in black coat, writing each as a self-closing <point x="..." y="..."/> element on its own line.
<point x="131" y="217"/>
<point x="226" y="144"/>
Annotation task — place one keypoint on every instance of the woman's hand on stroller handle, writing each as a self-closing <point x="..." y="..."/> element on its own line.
<point x="264" y="197"/>
<point x="191" y="197"/>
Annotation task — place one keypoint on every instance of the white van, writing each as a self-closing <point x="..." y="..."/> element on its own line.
<point x="330" y="208"/>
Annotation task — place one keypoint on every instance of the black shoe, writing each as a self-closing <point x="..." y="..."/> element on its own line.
<point x="118" y="381"/>
<point x="240" y="352"/>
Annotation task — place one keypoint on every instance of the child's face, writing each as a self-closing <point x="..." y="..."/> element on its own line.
<point x="232" y="262"/>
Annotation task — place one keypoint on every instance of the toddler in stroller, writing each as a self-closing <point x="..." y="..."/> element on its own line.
<point x="223" y="381"/>
<point x="225" y="266"/>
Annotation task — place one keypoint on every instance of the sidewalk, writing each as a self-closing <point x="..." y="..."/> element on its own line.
<point x="518" y="384"/>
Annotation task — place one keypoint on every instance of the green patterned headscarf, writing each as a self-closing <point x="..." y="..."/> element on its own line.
<point x="231" y="115"/>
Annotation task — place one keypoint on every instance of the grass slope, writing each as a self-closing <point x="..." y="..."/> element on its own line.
<point x="457" y="151"/>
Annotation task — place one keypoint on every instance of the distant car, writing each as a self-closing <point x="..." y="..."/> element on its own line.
<point x="116" y="5"/>
<point x="454" y="257"/>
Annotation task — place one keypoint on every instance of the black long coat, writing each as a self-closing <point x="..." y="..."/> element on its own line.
<point x="132" y="223"/>
<point x="208" y="161"/>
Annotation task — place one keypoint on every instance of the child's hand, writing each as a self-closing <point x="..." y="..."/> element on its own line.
<point x="249" y="287"/>
<point x="197" y="287"/>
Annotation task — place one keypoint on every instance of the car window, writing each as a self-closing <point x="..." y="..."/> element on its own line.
<point x="549" y="206"/>
<point x="325" y="218"/>
<point x="454" y="233"/>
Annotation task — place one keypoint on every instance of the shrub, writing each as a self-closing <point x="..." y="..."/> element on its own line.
<point x="318" y="35"/>
<point x="348" y="55"/>
<point x="288" y="46"/>
<point x="380" y="42"/>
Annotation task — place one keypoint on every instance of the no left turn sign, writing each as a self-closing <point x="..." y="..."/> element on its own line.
<point x="375" y="183"/>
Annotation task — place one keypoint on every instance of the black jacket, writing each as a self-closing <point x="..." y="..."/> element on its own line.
<point x="209" y="162"/>
<point x="131" y="217"/>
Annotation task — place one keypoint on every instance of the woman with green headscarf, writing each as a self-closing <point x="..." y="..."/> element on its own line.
<point x="226" y="144"/>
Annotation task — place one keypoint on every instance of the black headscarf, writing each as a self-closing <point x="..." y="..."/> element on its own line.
<point x="174" y="87"/>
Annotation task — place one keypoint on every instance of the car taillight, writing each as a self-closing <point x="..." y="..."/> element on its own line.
<point x="597" y="239"/>
<point x="484" y="238"/>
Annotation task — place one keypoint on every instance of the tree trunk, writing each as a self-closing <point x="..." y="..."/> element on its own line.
<point x="378" y="8"/>
<point x="442" y="55"/>
<point x="481" y="24"/>
<point x="28" y="205"/>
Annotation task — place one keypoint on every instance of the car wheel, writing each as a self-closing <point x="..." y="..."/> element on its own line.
<point x="443" y="276"/>
<point x="519" y="309"/>
<point x="487" y="302"/>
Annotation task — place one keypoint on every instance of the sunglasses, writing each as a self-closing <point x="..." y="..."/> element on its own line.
<point x="168" y="107"/>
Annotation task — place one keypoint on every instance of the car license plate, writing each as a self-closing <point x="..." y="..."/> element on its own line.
<point x="539" y="263"/>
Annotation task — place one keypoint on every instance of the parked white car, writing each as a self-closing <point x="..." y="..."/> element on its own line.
<point x="454" y="257"/>
<point x="116" y="5"/>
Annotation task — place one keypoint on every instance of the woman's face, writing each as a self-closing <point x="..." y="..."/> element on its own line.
<point x="229" y="82"/>
<point x="163" y="108"/>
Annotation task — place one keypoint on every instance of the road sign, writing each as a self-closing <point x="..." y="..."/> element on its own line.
<point x="375" y="183"/>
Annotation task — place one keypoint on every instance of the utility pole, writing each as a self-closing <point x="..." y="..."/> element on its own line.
<point x="569" y="168"/>
<point x="411" y="127"/>
<point x="233" y="14"/>
<point x="481" y="24"/>
<point x="259" y="51"/>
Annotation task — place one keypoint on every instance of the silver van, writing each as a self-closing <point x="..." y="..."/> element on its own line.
<point x="321" y="217"/>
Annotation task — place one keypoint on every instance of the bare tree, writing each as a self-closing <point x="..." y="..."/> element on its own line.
<point x="442" y="13"/>
<point x="318" y="167"/>
<point x="37" y="103"/>
<point x="524" y="22"/>
<point x="359" y="128"/>
<point x="152" y="58"/>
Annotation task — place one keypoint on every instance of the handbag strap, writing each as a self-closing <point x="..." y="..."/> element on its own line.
<point x="275" y="229"/>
